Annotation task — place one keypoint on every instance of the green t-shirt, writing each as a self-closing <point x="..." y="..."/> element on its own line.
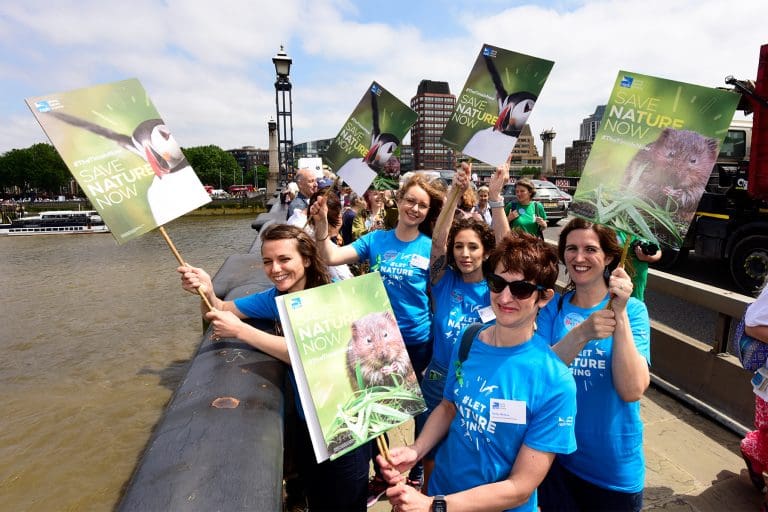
<point x="527" y="216"/>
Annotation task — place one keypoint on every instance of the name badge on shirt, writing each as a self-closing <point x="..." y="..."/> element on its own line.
<point x="486" y="314"/>
<point x="508" y="411"/>
<point x="419" y="262"/>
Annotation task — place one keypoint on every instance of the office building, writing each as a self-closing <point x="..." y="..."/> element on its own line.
<point x="434" y="103"/>
<point x="312" y="148"/>
<point x="249" y="157"/>
<point x="576" y="156"/>
<point x="525" y="153"/>
<point x="589" y="125"/>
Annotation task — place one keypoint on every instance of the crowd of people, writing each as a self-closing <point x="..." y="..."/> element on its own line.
<point x="532" y="395"/>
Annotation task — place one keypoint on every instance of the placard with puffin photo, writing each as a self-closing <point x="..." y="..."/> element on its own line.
<point x="495" y="103"/>
<point x="353" y="373"/>
<point x="367" y="147"/>
<point x="122" y="154"/>
<point x="653" y="156"/>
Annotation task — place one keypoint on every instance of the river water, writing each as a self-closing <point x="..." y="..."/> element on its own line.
<point x="94" y="339"/>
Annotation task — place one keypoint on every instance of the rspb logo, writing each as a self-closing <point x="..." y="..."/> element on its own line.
<point x="296" y="303"/>
<point x="47" y="105"/>
<point x="375" y="89"/>
<point x="489" y="52"/>
<point x="571" y="320"/>
<point x="626" y="82"/>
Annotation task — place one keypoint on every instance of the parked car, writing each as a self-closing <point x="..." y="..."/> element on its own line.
<point x="555" y="201"/>
<point x="445" y="176"/>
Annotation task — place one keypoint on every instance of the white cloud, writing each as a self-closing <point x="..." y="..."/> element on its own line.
<point x="208" y="66"/>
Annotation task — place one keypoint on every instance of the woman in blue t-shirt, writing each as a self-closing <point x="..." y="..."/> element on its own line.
<point x="292" y="263"/>
<point x="401" y="255"/>
<point x="459" y="291"/>
<point x="508" y="405"/>
<point x="608" y="350"/>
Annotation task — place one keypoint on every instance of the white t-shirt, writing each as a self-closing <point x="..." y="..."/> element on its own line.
<point x="757" y="312"/>
<point x="337" y="272"/>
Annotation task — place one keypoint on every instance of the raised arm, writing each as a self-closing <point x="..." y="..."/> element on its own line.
<point x="437" y="259"/>
<point x="331" y="253"/>
<point x="193" y="278"/>
<point x="496" y="201"/>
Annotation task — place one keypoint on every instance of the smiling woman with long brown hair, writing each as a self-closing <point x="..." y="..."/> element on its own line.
<point x="292" y="263"/>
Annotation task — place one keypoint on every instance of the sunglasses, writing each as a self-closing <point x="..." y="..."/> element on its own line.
<point x="519" y="289"/>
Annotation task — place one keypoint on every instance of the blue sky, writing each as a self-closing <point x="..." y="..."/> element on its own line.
<point x="207" y="65"/>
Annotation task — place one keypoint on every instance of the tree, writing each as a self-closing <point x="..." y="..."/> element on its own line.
<point x="213" y="165"/>
<point x="38" y="169"/>
<point x="50" y="173"/>
<point x="262" y="175"/>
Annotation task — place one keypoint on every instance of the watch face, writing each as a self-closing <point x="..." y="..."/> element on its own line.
<point x="438" y="505"/>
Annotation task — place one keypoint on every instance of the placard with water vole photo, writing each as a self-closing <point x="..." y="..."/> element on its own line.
<point x="352" y="369"/>
<point x="652" y="156"/>
<point x="365" y="150"/>
<point x="495" y="104"/>
<point x="122" y="155"/>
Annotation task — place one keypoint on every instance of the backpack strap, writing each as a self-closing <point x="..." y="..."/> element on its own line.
<point x="467" y="339"/>
<point x="466" y="343"/>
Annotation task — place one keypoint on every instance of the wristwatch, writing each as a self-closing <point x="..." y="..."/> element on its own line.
<point x="438" y="504"/>
<point x="496" y="204"/>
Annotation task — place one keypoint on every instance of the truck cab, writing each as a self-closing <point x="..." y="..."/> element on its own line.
<point x="731" y="220"/>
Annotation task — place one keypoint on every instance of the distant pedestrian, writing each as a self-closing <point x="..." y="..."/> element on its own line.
<point x="754" y="446"/>
<point x="307" y="182"/>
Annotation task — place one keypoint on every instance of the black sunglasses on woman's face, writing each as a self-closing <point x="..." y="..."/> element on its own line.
<point x="519" y="289"/>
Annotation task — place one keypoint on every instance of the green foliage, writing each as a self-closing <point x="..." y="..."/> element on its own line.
<point x="262" y="175"/>
<point x="531" y="171"/>
<point x="622" y="210"/>
<point x="213" y="165"/>
<point x="372" y="411"/>
<point x="38" y="168"/>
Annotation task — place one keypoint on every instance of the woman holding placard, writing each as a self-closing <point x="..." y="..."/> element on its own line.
<point x="292" y="263"/>
<point x="604" y="335"/>
<point x="401" y="255"/>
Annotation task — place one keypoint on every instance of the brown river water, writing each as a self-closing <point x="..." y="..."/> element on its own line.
<point x="94" y="338"/>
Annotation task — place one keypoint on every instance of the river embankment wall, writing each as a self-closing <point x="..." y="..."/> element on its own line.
<point x="219" y="443"/>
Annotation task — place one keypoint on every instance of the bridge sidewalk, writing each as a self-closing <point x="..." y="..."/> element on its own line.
<point x="692" y="464"/>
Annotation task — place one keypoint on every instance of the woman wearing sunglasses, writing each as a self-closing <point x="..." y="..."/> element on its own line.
<point x="506" y="409"/>
<point x="608" y="351"/>
<point x="401" y="255"/>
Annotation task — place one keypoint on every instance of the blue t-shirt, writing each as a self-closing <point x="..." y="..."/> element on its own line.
<point x="404" y="268"/>
<point x="259" y="305"/>
<point x="609" y="431"/>
<point x="509" y="396"/>
<point x="263" y="306"/>
<point x="456" y="305"/>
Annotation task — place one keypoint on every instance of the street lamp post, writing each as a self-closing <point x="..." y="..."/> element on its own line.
<point x="284" y="105"/>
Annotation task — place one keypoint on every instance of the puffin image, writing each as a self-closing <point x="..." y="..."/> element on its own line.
<point x="383" y="145"/>
<point x="175" y="188"/>
<point x="493" y="145"/>
<point x="360" y="172"/>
